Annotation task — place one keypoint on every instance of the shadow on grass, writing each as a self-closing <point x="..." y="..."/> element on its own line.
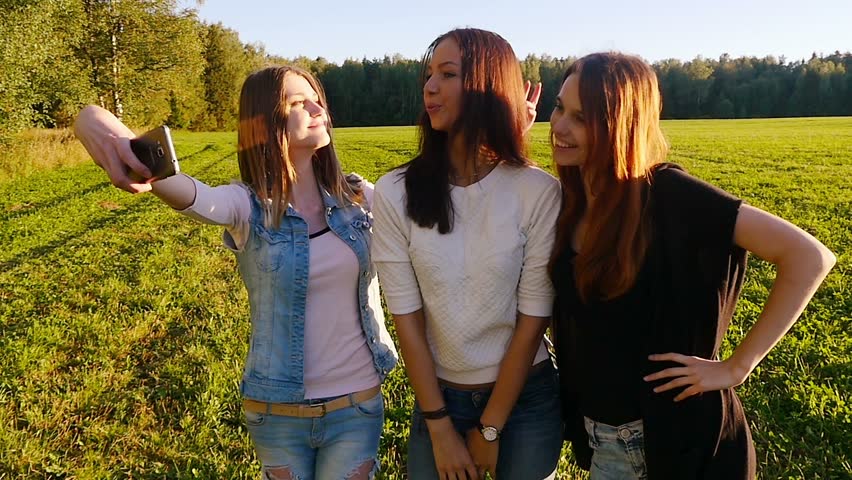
<point x="30" y="209"/>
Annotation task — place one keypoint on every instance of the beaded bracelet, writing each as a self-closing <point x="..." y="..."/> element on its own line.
<point x="435" y="414"/>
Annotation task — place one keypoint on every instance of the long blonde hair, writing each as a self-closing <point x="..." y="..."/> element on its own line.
<point x="265" y="163"/>
<point x="621" y="103"/>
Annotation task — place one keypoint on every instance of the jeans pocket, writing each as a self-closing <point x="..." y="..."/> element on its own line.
<point x="372" y="408"/>
<point x="255" y="419"/>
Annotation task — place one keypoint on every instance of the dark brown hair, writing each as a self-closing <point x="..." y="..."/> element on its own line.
<point x="492" y="121"/>
<point x="621" y="104"/>
<point x="265" y="164"/>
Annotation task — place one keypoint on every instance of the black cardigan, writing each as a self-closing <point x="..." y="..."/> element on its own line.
<point x="698" y="275"/>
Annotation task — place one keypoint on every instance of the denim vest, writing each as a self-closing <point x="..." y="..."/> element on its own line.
<point x="274" y="267"/>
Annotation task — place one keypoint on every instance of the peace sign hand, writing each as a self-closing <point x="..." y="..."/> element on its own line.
<point x="532" y="102"/>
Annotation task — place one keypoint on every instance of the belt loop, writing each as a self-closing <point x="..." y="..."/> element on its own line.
<point x="268" y="408"/>
<point x="593" y="430"/>
<point x="351" y="397"/>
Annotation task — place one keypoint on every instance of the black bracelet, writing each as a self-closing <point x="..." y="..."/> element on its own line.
<point x="435" y="414"/>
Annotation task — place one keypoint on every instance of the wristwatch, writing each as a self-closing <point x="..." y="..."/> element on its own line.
<point x="489" y="433"/>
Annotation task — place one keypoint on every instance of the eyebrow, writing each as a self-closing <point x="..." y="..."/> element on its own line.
<point x="559" y="99"/>
<point x="448" y="62"/>
<point x="303" y="95"/>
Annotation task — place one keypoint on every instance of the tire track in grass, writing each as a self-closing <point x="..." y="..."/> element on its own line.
<point x="15" y="211"/>
<point x="117" y="209"/>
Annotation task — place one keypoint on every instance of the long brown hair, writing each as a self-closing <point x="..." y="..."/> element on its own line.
<point x="621" y="104"/>
<point x="265" y="163"/>
<point x="492" y="121"/>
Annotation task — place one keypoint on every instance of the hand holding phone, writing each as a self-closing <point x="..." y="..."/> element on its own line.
<point x="155" y="149"/>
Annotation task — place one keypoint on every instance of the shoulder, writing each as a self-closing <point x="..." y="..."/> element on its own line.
<point x="240" y="191"/>
<point x="532" y="182"/>
<point x="671" y="182"/>
<point x="688" y="204"/>
<point x="530" y="178"/>
<point x="392" y="184"/>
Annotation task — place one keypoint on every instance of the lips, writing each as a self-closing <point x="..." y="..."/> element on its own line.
<point x="432" y="108"/>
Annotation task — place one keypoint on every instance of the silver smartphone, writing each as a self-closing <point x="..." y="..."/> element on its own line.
<point x="155" y="149"/>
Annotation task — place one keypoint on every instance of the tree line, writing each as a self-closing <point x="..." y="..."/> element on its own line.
<point x="155" y="61"/>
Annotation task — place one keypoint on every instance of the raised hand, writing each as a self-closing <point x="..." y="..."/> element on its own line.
<point x="532" y="102"/>
<point x="108" y="142"/>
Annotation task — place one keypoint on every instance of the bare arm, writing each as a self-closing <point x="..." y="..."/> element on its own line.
<point x="514" y="369"/>
<point x="511" y="378"/>
<point x="802" y="263"/>
<point x="451" y="457"/>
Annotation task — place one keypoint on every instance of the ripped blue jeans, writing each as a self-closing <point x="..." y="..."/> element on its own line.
<point x="340" y="445"/>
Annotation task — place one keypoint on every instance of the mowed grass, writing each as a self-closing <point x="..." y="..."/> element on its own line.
<point x="124" y="324"/>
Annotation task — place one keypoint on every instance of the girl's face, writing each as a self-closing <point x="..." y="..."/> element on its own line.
<point x="443" y="91"/>
<point x="306" y="118"/>
<point x="567" y="126"/>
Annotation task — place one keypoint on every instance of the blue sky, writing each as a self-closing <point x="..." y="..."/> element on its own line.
<point x="654" y="29"/>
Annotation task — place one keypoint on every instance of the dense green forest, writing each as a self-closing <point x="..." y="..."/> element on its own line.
<point x="155" y="61"/>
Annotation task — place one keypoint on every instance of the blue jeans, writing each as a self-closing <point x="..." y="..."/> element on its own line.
<point x="530" y="442"/>
<point x="619" y="452"/>
<point x="330" y="447"/>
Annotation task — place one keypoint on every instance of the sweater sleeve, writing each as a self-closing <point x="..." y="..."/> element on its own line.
<point x="535" y="290"/>
<point x="390" y="248"/>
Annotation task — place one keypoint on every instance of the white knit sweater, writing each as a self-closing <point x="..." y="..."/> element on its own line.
<point x="471" y="282"/>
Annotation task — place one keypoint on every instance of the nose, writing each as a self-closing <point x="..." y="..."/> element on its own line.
<point x="431" y="86"/>
<point x="558" y="123"/>
<point x="314" y="108"/>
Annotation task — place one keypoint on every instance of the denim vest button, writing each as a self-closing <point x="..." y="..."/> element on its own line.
<point x="624" y="433"/>
<point x="352" y="237"/>
<point x="372" y="339"/>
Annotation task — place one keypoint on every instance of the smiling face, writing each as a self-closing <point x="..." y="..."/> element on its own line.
<point x="443" y="90"/>
<point x="568" y="126"/>
<point x="306" y="117"/>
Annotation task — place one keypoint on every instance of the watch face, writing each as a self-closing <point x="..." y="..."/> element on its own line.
<point x="489" y="433"/>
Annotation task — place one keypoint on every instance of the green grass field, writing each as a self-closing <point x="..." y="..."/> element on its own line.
<point x="124" y="324"/>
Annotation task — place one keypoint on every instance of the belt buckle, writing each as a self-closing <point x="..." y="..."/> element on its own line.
<point x="321" y="406"/>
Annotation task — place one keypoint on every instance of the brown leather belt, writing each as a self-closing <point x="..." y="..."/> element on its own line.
<point x="308" y="410"/>
<point x="485" y="386"/>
